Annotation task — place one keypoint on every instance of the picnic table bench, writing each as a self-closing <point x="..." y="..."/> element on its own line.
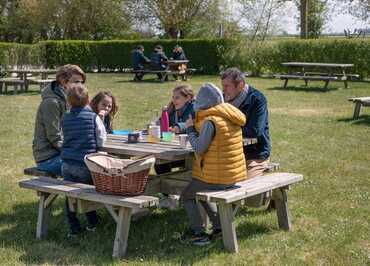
<point x="359" y="102"/>
<point x="228" y="200"/>
<point x="83" y="198"/>
<point x="15" y="82"/>
<point x="326" y="76"/>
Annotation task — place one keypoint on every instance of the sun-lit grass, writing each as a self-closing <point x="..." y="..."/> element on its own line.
<point x="312" y="133"/>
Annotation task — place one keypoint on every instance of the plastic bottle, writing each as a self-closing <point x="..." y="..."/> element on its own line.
<point x="165" y="121"/>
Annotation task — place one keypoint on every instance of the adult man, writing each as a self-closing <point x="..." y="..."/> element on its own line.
<point x="47" y="139"/>
<point x="138" y="61"/>
<point x="254" y="105"/>
<point x="158" y="60"/>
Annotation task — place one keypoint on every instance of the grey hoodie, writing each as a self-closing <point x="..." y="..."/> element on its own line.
<point x="208" y="96"/>
<point x="47" y="139"/>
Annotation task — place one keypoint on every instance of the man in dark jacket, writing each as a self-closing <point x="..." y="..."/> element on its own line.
<point x="47" y="139"/>
<point x="138" y="61"/>
<point x="254" y="105"/>
<point x="158" y="60"/>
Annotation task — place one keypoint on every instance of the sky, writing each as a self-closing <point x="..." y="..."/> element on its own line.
<point x="337" y="23"/>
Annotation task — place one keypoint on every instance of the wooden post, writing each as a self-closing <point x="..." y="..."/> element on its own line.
<point x="122" y="231"/>
<point x="285" y="83"/>
<point x="281" y="202"/>
<point x="228" y="227"/>
<point x="357" y="109"/>
<point x="43" y="214"/>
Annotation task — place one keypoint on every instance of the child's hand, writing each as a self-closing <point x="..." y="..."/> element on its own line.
<point x="189" y="122"/>
<point x="102" y="114"/>
<point x="175" y="129"/>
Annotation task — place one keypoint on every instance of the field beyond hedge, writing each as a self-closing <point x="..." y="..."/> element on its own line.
<point x="312" y="133"/>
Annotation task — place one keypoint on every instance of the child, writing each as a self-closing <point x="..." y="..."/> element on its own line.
<point x="83" y="133"/>
<point x="104" y="104"/>
<point x="179" y="110"/>
<point x="216" y="138"/>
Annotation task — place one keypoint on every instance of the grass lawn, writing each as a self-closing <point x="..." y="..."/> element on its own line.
<point x="312" y="133"/>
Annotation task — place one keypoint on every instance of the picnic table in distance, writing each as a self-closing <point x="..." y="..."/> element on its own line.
<point x="24" y="75"/>
<point x="327" y="74"/>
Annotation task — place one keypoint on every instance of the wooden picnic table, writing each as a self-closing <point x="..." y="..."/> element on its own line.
<point x="327" y="74"/>
<point x="23" y="75"/>
<point x="164" y="152"/>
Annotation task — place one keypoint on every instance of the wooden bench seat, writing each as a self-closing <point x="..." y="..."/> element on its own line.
<point x="119" y="207"/>
<point x="228" y="200"/>
<point x="41" y="82"/>
<point x="15" y="82"/>
<point x="359" y="102"/>
<point x="184" y="75"/>
<point x="306" y="78"/>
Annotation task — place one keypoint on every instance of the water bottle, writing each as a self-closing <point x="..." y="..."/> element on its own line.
<point x="165" y="121"/>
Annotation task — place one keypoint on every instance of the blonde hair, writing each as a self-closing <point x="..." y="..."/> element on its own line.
<point x="67" y="71"/>
<point x="77" y="95"/>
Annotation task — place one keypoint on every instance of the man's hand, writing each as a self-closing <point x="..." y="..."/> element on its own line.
<point x="189" y="122"/>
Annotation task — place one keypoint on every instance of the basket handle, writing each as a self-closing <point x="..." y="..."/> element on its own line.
<point x="140" y="159"/>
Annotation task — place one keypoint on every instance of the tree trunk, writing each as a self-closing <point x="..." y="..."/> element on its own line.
<point x="304" y="19"/>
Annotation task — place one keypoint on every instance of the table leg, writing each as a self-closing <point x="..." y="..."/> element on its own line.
<point x="280" y="197"/>
<point x="357" y="110"/>
<point x="228" y="227"/>
<point x="285" y="83"/>
<point x="122" y="231"/>
<point x="43" y="214"/>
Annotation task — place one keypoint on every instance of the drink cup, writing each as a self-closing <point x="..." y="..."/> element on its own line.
<point x="167" y="136"/>
<point x="183" y="140"/>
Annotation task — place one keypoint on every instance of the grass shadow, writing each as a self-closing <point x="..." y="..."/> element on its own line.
<point x="362" y="120"/>
<point x="147" y="80"/>
<point x="154" y="237"/>
<point x="302" y="89"/>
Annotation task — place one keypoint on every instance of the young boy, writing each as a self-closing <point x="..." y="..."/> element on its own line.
<point x="216" y="138"/>
<point x="84" y="133"/>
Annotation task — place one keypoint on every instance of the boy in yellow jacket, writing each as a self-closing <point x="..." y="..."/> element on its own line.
<point x="216" y="138"/>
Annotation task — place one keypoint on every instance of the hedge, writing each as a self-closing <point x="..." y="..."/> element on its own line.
<point x="203" y="54"/>
<point x="209" y="56"/>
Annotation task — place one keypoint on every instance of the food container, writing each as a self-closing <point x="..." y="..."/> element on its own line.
<point x="183" y="140"/>
<point x="167" y="136"/>
<point x="133" y="137"/>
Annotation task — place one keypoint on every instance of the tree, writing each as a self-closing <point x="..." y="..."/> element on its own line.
<point x="357" y="8"/>
<point x="313" y="15"/>
<point x="173" y="17"/>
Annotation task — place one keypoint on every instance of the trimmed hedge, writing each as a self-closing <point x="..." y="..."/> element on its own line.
<point x="203" y="54"/>
<point x="209" y="56"/>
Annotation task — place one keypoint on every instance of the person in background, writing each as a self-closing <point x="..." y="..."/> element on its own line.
<point x="84" y="133"/>
<point x="158" y="60"/>
<point x="104" y="104"/>
<point x="178" y="53"/>
<point x="216" y="137"/>
<point x="47" y="140"/>
<point x="254" y="105"/>
<point x="179" y="109"/>
<point x="138" y="61"/>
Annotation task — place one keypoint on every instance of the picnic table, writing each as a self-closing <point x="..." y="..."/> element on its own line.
<point x="84" y="198"/>
<point x="329" y="72"/>
<point x="23" y="79"/>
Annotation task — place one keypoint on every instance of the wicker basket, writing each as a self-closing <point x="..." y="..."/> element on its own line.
<point x="119" y="176"/>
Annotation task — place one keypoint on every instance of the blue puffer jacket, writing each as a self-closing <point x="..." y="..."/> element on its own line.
<point x="257" y="126"/>
<point x="79" y="131"/>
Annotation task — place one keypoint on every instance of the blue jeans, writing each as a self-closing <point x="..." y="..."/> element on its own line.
<point x="78" y="174"/>
<point x="52" y="165"/>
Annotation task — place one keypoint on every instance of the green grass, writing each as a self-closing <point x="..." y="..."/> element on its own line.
<point x="312" y="133"/>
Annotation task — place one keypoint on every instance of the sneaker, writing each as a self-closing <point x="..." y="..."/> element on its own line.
<point x="91" y="228"/>
<point x="75" y="232"/>
<point x="216" y="233"/>
<point x="202" y="240"/>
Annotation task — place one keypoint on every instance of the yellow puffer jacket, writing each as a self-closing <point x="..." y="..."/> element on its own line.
<point x="224" y="162"/>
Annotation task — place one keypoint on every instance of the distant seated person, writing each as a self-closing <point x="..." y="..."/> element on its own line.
<point x="138" y="61"/>
<point x="178" y="53"/>
<point x="158" y="60"/>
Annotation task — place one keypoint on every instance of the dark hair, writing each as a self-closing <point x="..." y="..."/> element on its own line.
<point x="235" y="74"/>
<point x="67" y="71"/>
<point x="99" y="97"/>
<point x="139" y="47"/>
<point x="185" y="90"/>
<point x="77" y="95"/>
<point x="158" y="47"/>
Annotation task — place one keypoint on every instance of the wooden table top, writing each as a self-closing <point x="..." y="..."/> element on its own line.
<point x="312" y="64"/>
<point x="117" y="144"/>
<point x="48" y="71"/>
<point x="175" y="62"/>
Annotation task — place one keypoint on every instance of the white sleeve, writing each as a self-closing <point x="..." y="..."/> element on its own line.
<point x="101" y="133"/>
